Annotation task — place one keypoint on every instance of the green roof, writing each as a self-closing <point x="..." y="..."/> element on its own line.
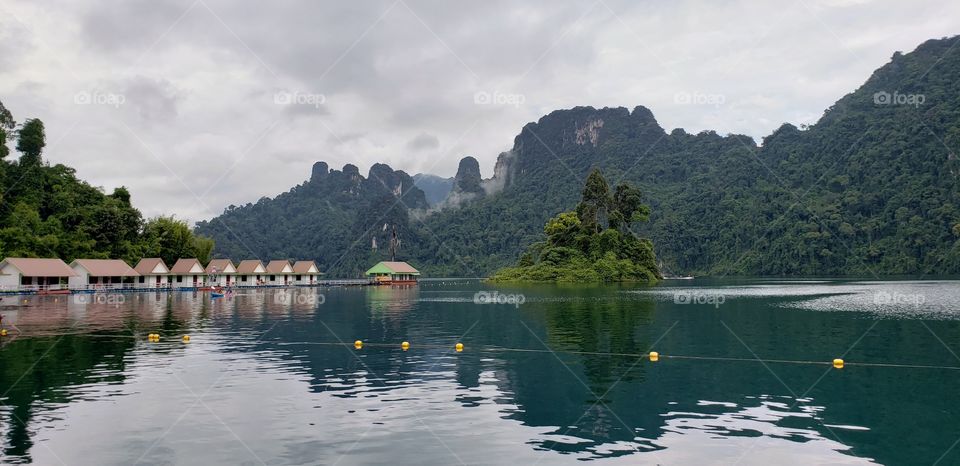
<point x="393" y="267"/>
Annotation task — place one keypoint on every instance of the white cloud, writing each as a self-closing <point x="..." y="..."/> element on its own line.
<point x="399" y="80"/>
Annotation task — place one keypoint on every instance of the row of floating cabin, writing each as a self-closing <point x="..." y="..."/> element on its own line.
<point x="54" y="275"/>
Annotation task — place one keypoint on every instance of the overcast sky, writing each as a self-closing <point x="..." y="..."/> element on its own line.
<point x="198" y="104"/>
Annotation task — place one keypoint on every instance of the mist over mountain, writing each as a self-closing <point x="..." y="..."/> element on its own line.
<point x="870" y="189"/>
<point x="434" y="187"/>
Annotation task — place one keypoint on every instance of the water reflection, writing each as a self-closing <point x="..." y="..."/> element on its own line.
<point x="278" y="368"/>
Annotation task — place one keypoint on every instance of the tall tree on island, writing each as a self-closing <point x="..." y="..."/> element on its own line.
<point x="594" y="207"/>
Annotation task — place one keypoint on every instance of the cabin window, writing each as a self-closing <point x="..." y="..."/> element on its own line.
<point x="297" y="278"/>
<point x="179" y="278"/>
<point x="26" y="280"/>
<point x="91" y="279"/>
<point x="243" y="278"/>
<point x="142" y="279"/>
<point x="273" y="278"/>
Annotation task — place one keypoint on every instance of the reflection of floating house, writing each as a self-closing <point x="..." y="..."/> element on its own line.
<point x="187" y="273"/>
<point x="41" y="275"/>
<point x="278" y="272"/>
<point x="101" y="274"/>
<point x="153" y="273"/>
<point x="393" y="273"/>
<point x="250" y="272"/>
<point x="221" y="272"/>
<point x="305" y="273"/>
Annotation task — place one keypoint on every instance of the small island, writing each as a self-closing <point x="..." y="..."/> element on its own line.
<point x="592" y="244"/>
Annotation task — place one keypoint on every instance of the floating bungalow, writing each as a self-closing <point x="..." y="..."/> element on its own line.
<point x="393" y="273"/>
<point x="305" y="273"/>
<point x="221" y="272"/>
<point x="101" y="274"/>
<point x="154" y="273"/>
<point x="37" y="275"/>
<point x="51" y="275"/>
<point x="279" y="272"/>
<point x="250" y="272"/>
<point x="187" y="273"/>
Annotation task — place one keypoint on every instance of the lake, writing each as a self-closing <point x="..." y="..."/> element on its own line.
<point x="548" y="375"/>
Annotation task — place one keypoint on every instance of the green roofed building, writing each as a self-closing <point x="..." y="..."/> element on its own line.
<point x="393" y="273"/>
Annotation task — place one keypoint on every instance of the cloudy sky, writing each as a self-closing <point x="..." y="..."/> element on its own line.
<point x="198" y="104"/>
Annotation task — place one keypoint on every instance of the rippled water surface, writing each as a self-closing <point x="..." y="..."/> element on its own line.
<point x="272" y="377"/>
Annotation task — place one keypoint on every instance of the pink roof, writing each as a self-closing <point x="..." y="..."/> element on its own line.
<point x="248" y="266"/>
<point x="400" y="267"/>
<point x="41" y="267"/>
<point x="277" y="266"/>
<point x="219" y="265"/>
<point x="146" y="265"/>
<point x="106" y="267"/>
<point x="183" y="266"/>
<point x="304" y="266"/>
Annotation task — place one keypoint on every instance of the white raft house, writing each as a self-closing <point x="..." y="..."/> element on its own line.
<point x="32" y="275"/>
<point x="53" y="276"/>
<point x="101" y="274"/>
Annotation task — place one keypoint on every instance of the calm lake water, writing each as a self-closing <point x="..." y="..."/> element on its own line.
<point x="272" y="378"/>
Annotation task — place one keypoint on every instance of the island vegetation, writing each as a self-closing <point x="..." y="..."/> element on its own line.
<point x="594" y="243"/>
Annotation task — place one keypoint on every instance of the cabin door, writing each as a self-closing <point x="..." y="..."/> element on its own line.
<point x="158" y="280"/>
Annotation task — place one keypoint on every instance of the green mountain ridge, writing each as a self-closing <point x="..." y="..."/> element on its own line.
<point x="870" y="189"/>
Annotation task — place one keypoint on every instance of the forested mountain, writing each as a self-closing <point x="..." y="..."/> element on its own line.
<point x="46" y="211"/>
<point x="871" y="188"/>
<point x="338" y="217"/>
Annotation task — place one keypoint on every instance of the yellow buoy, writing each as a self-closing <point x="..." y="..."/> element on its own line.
<point x="459" y="347"/>
<point x="838" y="363"/>
<point x="358" y="344"/>
<point x="186" y="338"/>
<point x="405" y="345"/>
<point x="3" y="332"/>
<point x="654" y="356"/>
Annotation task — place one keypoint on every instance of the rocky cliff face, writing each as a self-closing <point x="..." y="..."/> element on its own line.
<point x="468" y="177"/>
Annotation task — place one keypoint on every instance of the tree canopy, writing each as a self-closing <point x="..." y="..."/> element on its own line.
<point x="593" y="243"/>
<point x="46" y="211"/>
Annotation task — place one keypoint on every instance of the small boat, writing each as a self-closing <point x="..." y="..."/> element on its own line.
<point x="214" y="294"/>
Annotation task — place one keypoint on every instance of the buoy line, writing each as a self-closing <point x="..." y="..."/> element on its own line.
<point x="652" y="356"/>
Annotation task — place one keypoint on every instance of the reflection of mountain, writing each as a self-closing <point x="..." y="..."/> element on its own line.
<point x="37" y="373"/>
<point x="577" y="401"/>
